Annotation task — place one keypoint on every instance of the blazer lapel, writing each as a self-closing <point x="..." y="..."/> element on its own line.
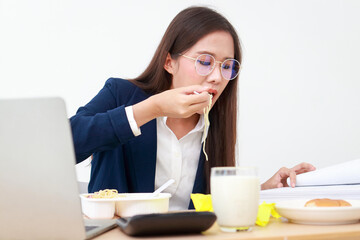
<point x="143" y="160"/>
<point x="200" y="181"/>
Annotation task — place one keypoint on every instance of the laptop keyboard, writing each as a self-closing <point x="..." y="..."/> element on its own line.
<point x="89" y="228"/>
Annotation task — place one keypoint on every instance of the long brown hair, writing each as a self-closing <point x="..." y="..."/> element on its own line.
<point x="188" y="27"/>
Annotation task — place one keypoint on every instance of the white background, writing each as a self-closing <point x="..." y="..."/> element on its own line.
<point x="299" y="87"/>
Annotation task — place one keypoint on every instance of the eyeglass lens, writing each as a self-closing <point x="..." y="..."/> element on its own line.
<point x="205" y="63"/>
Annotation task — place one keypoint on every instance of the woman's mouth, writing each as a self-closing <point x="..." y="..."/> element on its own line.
<point x="213" y="92"/>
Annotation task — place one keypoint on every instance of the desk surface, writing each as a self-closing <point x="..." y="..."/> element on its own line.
<point x="276" y="229"/>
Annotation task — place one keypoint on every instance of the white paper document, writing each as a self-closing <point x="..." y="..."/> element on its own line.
<point x="333" y="191"/>
<point x="343" y="173"/>
<point x="340" y="181"/>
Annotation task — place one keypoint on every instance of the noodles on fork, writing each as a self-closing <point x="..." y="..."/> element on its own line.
<point x="207" y="124"/>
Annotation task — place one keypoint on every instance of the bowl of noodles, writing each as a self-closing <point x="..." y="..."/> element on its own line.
<point x="99" y="205"/>
<point x="130" y="204"/>
<point x="105" y="203"/>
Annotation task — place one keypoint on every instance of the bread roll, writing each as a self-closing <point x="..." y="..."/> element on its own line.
<point x="326" y="202"/>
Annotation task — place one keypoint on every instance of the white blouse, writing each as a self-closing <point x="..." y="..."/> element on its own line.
<point x="176" y="159"/>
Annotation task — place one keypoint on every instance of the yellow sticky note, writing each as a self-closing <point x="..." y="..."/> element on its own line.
<point x="203" y="202"/>
<point x="265" y="211"/>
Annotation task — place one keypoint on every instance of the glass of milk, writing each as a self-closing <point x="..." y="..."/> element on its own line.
<point x="235" y="197"/>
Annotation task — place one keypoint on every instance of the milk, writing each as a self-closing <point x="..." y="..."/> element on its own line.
<point x="235" y="199"/>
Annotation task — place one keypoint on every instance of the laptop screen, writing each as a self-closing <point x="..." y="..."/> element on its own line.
<point x="39" y="192"/>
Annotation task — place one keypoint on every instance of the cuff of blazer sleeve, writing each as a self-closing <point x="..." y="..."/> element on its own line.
<point x="121" y="124"/>
<point x="133" y="125"/>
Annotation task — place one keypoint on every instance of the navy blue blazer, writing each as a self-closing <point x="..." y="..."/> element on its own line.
<point x="120" y="160"/>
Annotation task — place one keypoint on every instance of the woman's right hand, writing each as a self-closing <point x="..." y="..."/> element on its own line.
<point x="182" y="102"/>
<point x="176" y="103"/>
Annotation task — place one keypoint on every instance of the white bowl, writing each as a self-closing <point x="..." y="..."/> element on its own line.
<point x="97" y="208"/>
<point x="130" y="204"/>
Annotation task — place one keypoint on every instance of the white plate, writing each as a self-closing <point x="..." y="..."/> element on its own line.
<point x="295" y="211"/>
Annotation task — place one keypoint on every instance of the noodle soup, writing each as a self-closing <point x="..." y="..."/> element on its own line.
<point x="97" y="208"/>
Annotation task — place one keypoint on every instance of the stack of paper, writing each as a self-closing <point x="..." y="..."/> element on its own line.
<point x="341" y="181"/>
<point x="343" y="173"/>
<point x="333" y="191"/>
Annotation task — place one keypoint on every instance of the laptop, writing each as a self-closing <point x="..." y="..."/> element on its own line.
<point x="39" y="196"/>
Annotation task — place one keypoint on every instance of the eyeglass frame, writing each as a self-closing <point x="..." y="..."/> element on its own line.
<point x="221" y="63"/>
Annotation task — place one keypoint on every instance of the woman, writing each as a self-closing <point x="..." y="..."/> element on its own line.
<point x="144" y="131"/>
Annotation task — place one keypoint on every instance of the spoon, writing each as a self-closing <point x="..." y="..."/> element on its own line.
<point x="162" y="188"/>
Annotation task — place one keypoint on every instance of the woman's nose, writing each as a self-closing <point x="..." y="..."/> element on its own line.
<point x="215" y="75"/>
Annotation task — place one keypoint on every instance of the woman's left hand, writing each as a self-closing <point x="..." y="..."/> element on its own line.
<point x="280" y="177"/>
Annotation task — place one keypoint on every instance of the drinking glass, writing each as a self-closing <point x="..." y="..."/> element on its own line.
<point x="235" y="197"/>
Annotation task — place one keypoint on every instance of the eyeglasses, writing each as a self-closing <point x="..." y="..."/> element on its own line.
<point x="205" y="64"/>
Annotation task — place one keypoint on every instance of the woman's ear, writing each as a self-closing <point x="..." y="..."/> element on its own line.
<point x="169" y="64"/>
